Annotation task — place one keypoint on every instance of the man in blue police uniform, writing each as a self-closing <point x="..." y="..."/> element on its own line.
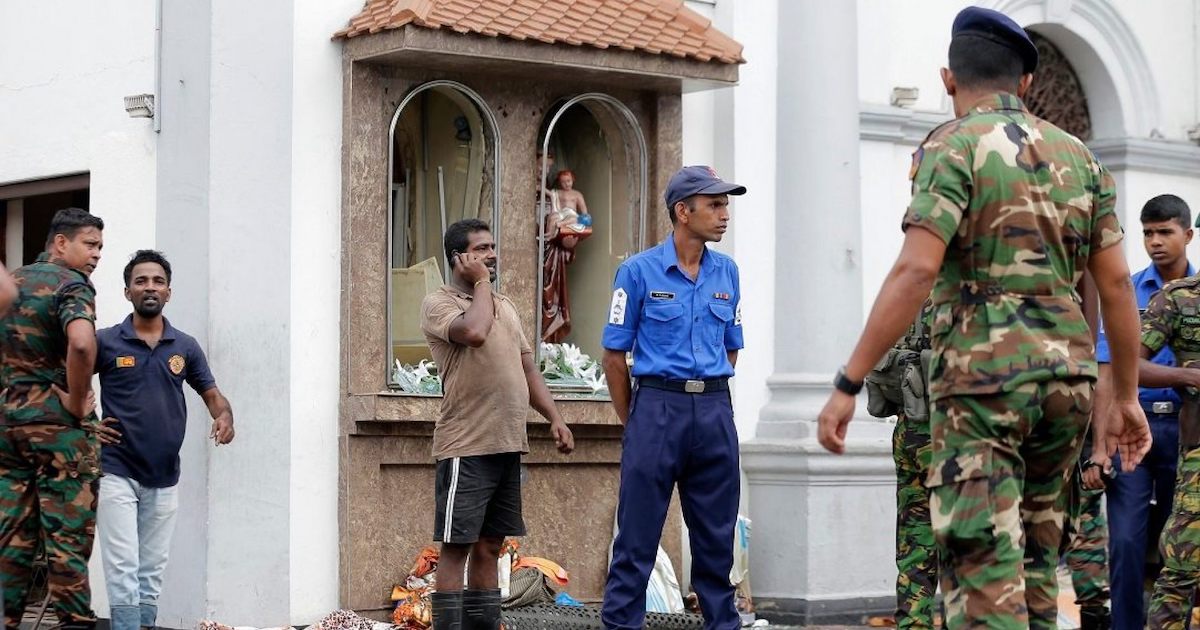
<point x="143" y="363"/>
<point x="1140" y="501"/>
<point x="676" y="306"/>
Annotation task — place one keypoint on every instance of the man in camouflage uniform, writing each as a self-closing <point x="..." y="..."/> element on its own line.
<point x="1009" y="211"/>
<point x="897" y="387"/>
<point x="1085" y="545"/>
<point x="1173" y="319"/>
<point x="48" y="456"/>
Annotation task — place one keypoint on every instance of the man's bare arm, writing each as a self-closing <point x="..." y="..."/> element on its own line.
<point x="616" y="371"/>
<point x="1126" y="429"/>
<point x="1151" y="374"/>
<point x="542" y="402"/>
<point x="900" y="298"/>
<point x="222" y="414"/>
<point x="81" y="360"/>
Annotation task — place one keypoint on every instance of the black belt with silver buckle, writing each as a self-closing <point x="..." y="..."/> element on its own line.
<point x="1162" y="408"/>
<point x="691" y="386"/>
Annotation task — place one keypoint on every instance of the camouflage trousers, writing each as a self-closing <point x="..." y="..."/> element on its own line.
<point x="48" y="484"/>
<point x="1085" y="545"/>
<point x="1180" y="546"/>
<point x="916" y="551"/>
<point x="1000" y="467"/>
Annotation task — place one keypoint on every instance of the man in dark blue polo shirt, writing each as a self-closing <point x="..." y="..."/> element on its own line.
<point x="677" y="307"/>
<point x="1140" y="501"/>
<point x="143" y="363"/>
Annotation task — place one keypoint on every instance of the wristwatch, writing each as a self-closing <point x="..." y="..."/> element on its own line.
<point x="843" y="384"/>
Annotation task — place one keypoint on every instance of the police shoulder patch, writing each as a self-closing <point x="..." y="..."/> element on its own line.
<point x="616" y="312"/>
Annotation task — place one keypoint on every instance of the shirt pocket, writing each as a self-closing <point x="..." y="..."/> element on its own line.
<point x="722" y="314"/>
<point x="663" y="322"/>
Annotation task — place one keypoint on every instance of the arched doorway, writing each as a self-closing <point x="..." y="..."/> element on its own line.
<point x="443" y="167"/>
<point x="598" y="140"/>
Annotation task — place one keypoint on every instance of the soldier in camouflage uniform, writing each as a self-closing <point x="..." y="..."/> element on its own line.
<point x="1173" y="319"/>
<point x="48" y="452"/>
<point x="1009" y="212"/>
<point x="897" y="387"/>
<point x="1085" y="547"/>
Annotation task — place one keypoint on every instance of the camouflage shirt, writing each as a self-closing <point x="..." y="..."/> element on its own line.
<point x="34" y="344"/>
<point x="1172" y="318"/>
<point x="1021" y="205"/>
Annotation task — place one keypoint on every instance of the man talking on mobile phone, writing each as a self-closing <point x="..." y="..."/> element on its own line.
<point x="489" y="381"/>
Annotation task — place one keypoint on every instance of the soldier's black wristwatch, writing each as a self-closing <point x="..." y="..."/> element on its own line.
<point x="843" y="384"/>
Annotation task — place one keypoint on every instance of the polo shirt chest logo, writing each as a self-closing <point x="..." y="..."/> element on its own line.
<point x="176" y="364"/>
<point x="126" y="362"/>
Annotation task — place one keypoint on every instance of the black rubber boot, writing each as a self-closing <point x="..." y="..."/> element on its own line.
<point x="1094" y="618"/>
<point x="481" y="609"/>
<point x="447" y="610"/>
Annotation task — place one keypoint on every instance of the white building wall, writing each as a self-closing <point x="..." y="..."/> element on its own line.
<point x="64" y="112"/>
<point x="315" y="307"/>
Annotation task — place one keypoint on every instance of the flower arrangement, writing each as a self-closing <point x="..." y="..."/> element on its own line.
<point x="421" y="378"/>
<point x="565" y="366"/>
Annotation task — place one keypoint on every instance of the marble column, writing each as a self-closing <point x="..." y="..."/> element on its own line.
<point x="823" y="525"/>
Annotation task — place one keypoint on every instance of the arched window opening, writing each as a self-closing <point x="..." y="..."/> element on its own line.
<point x="444" y="168"/>
<point x="592" y="203"/>
<point x="1056" y="94"/>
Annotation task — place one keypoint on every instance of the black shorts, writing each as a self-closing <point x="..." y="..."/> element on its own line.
<point x="478" y="497"/>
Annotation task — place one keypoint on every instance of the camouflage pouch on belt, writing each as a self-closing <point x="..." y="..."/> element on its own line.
<point x="914" y="387"/>
<point x="898" y="384"/>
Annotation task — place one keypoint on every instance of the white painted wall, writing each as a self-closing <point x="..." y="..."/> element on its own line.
<point x="733" y="130"/>
<point x="64" y="112"/>
<point x="315" y="306"/>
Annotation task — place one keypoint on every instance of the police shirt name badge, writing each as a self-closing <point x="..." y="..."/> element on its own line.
<point x="662" y="295"/>
<point x="126" y="362"/>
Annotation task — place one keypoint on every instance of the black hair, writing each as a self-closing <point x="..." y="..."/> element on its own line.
<point x="978" y="62"/>
<point x="1167" y="208"/>
<point x="69" y="221"/>
<point x="691" y="205"/>
<point x="147" y="256"/>
<point x="458" y="236"/>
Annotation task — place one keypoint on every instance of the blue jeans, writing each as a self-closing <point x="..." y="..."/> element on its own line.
<point x="134" y="525"/>
<point x="1133" y="523"/>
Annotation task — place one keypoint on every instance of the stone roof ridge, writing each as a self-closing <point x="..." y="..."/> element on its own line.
<point x="650" y="26"/>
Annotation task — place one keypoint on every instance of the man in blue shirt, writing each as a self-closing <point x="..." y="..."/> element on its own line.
<point x="1140" y="501"/>
<point x="143" y="363"/>
<point x="676" y="306"/>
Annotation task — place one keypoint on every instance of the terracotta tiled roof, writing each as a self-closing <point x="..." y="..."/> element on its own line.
<point x="653" y="26"/>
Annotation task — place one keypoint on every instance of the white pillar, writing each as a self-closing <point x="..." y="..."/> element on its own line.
<point x="822" y="546"/>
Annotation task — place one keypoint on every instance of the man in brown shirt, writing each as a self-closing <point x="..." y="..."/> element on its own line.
<point x="489" y="380"/>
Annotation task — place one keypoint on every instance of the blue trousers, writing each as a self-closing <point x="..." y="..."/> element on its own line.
<point x="686" y="439"/>
<point x="1133" y="523"/>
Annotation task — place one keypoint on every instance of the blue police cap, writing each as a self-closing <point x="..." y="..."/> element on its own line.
<point x="698" y="180"/>
<point x="999" y="28"/>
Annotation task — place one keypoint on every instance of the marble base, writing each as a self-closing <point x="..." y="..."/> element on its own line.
<point x="823" y="542"/>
